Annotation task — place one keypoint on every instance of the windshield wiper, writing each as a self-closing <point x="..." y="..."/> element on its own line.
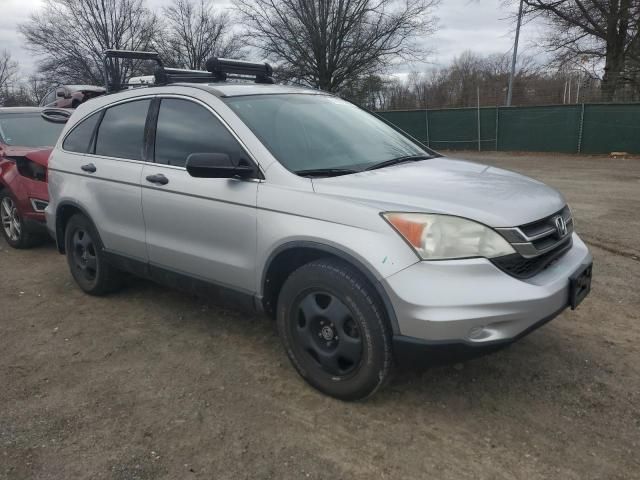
<point x="325" y="172"/>
<point x="396" y="161"/>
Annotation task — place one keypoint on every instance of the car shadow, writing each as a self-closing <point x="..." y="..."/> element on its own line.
<point x="526" y="369"/>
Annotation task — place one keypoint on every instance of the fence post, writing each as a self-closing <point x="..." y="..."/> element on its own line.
<point x="426" y="121"/>
<point x="497" y="120"/>
<point x="580" y="130"/>
<point x="479" y="141"/>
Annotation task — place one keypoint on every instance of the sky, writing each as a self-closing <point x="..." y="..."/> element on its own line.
<point x="483" y="26"/>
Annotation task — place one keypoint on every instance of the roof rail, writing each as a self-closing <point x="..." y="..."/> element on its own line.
<point x="218" y="70"/>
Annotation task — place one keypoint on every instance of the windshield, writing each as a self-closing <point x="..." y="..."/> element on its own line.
<point x="28" y="130"/>
<point x="312" y="132"/>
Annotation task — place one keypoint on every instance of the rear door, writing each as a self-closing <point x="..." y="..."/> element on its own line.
<point x="107" y="178"/>
<point x="202" y="227"/>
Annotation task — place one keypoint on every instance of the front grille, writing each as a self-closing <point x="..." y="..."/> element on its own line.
<point x="540" y="227"/>
<point x="518" y="266"/>
<point x="539" y="237"/>
<point x="538" y="244"/>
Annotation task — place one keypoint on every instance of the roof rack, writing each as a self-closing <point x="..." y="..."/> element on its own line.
<point x="218" y="70"/>
<point x="109" y="55"/>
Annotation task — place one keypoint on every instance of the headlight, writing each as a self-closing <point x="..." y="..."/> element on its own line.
<point x="440" y="237"/>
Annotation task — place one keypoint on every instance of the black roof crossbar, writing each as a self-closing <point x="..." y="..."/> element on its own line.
<point x="223" y="67"/>
<point x="218" y="70"/>
<point x="175" y="75"/>
<point x="130" y="54"/>
<point x="135" y="54"/>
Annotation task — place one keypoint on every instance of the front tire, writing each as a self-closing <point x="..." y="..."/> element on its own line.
<point x="85" y="256"/>
<point x="12" y="225"/>
<point x="335" y="330"/>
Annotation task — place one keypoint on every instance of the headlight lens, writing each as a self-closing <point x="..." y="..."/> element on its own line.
<point x="441" y="237"/>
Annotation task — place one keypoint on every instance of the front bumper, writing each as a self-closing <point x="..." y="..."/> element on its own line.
<point x="472" y="303"/>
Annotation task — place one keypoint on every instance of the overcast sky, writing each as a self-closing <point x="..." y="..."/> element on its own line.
<point x="483" y="26"/>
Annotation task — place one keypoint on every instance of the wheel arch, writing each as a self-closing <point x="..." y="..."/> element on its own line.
<point x="64" y="211"/>
<point x="288" y="257"/>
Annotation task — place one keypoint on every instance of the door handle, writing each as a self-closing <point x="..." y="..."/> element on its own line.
<point x="158" y="178"/>
<point x="89" y="167"/>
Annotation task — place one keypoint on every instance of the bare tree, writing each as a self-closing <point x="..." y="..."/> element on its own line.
<point x="456" y="85"/>
<point x="607" y="30"/>
<point x="326" y="43"/>
<point x="72" y="34"/>
<point x="18" y="96"/>
<point x="8" y="69"/>
<point x="37" y="87"/>
<point x="194" y="31"/>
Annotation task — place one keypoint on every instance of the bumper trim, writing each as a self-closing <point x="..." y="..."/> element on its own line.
<point x="411" y="352"/>
<point x="34" y="226"/>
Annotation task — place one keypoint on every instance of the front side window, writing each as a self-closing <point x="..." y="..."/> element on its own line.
<point x="121" y="132"/>
<point x="79" y="140"/>
<point x="306" y="132"/>
<point x="28" y="130"/>
<point x="185" y="127"/>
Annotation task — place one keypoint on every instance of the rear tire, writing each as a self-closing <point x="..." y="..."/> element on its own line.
<point x="86" y="259"/>
<point x="334" y="329"/>
<point x="12" y="225"/>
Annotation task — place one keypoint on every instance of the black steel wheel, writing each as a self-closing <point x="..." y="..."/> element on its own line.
<point x="334" y="329"/>
<point x="85" y="261"/>
<point x="326" y="331"/>
<point x="85" y="256"/>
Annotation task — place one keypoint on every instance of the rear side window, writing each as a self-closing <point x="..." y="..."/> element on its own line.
<point x="50" y="98"/>
<point x="121" y="132"/>
<point x="79" y="140"/>
<point x="185" y="127"/>
<point x="28" y="130"/>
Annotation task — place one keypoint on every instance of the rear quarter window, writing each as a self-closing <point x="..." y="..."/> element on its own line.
<point x="80" y="138"/>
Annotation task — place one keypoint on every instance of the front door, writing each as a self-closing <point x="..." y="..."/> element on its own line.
<point x="204" y="228"/>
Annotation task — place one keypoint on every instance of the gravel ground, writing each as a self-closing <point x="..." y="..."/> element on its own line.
<point x="154" y="384"/>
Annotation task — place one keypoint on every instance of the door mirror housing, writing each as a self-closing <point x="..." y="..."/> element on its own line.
<point x="217" y="165"/>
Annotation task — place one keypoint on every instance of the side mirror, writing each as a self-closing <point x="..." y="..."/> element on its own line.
<point x="216" y="165"/>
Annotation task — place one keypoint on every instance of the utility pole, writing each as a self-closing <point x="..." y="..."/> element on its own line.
<point x="515" y="55"/>
<point x="479" y="130"/>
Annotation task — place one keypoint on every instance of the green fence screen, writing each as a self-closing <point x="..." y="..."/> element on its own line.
<point x="583" y="128"/>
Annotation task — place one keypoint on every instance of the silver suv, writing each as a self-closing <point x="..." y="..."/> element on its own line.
<point x="367" y="248"/>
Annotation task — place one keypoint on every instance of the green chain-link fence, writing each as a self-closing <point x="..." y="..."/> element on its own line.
<point x="583" y="128"/>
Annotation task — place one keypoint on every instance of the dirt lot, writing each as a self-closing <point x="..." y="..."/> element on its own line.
<point x="150" y="383"/>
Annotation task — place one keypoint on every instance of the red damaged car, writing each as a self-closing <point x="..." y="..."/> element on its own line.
<point x="27" y="135"/>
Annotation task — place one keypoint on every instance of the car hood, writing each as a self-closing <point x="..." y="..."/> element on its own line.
<point x="38" y="155"/>
<point x="490" y="195"/>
